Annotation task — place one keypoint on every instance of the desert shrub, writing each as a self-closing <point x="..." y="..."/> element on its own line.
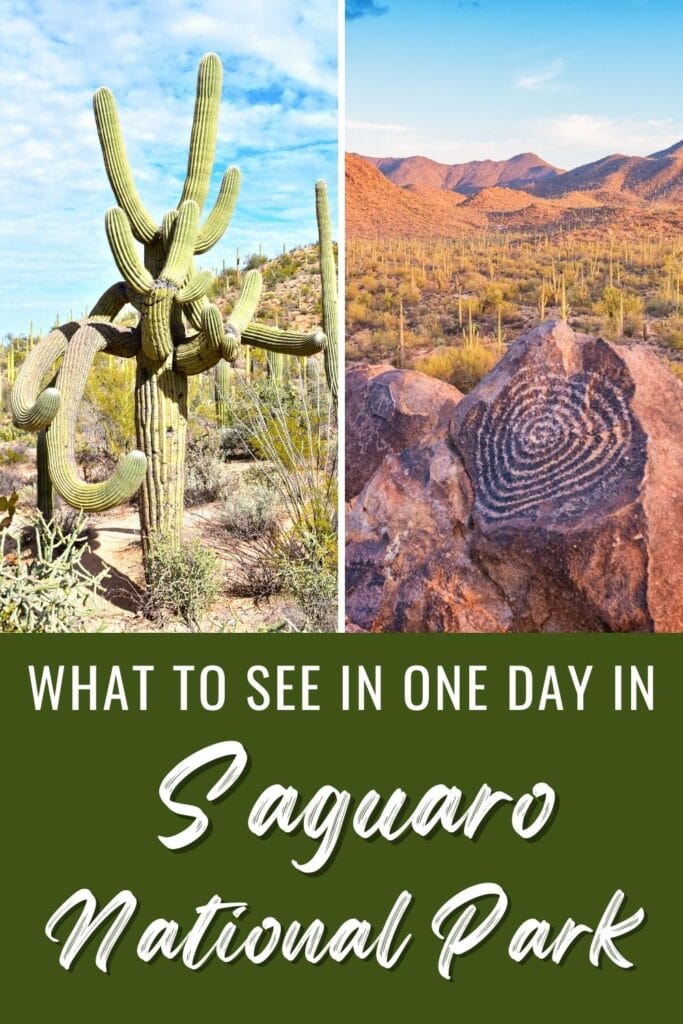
<point x="250" y="510"/>
<point x="10" y="480"/>
<point x="8" y="508"/>
<point x="49" y="591"/>
<point x="463" y="366"/>
<point x="621" y="312"/>
<point x="182" y="580"/>
<point x="233" y="444"/>
<point x="15" y="455"/>
<point x="676" y="369"/>
<point x="8" y="432"/>
<point x="255" y="569"/>
<point x="255" y="261"/>
<point x="296" y="434"/>
<point x="671" y="333"/>
<point x="659" y="307"/>
<point x="307" y="570"/>
<point x="109" y="391"/>
<point x="204" y="468"/>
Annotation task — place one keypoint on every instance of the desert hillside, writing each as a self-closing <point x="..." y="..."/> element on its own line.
<point x="377" y="207"/>
<point x="421" y="198"/>
<point x="521" y="171"/>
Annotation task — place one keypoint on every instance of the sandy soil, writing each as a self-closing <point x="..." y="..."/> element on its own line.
<point x="114" y="542"/>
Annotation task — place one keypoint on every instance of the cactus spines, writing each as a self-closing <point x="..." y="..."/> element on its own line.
<point x="204" y="130"/>
<point x="328" y="279"/>
<point x="290" y="342"/>
<point x="222" y="388"/>
<point x="180" y="331"/>
<point x="32" y="407"/>
<point x="71" y="380"/>
<point x="117" y="166"/>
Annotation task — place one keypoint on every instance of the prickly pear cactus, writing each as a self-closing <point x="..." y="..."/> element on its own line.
<point x="180" y="332"/>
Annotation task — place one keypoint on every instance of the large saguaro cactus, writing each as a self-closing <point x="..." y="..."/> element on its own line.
<point x="179" y="333"/>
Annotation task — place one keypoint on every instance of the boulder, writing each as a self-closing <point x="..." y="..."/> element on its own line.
<point x="388" y="410"/>
<point x="408" y="564"/>
<point x="555" y="503"/>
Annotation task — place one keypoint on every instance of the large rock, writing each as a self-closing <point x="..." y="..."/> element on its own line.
<point x="556" y="503"/>
<point x="388" y="410"/>
<point x="408" y="565"/>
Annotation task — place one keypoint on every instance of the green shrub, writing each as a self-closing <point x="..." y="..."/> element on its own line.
<point x="463" y="367"/>
<point x="14" y="456"/>
<point x="181" y="580"/>
<point x="307" y="570"/>
<point x="296" y="435"/>
<point x="108" y="391"/>
<point x="250" y="510"/>
<point x="671" y="333"/>
<point x="49" y="592"/>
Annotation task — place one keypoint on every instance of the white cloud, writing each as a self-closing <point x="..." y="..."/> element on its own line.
<point x="371" y="138"/>
<point x="605" y="135"/>
<point x="534" y="79"/>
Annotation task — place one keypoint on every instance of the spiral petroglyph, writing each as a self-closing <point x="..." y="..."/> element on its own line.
<point x="553" y="503"/>
<point x="554" y="446"/>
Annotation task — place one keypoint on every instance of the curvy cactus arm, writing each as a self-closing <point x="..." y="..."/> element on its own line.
<point x="181" y="249"/>
<point x="215" y="339"/>
<point x="71" y="380"/>
<point x="123" y="342"/>
<point x="33" y="409"/>
<point x="328" y="279"/>
<point x="250" y="293"/>
<point x="292" y="344"/>
<point x="195" y="287"/>
<point x="118" y="168"/>
<point x="222" y="337"/>
<point x="124" y="252"/>
<point x="196" y="355"/>
<point x="212" y="343"/>
<point x="110" y="304"/>
<point x="204" y="130"/>
<point x="217" y="222"/>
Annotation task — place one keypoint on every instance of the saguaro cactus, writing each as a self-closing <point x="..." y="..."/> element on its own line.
<point x="179" y="333"/>
<point x="328" y="279"/>
<point x="222" y="386"/>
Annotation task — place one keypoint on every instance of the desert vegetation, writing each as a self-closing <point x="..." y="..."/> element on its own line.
<point x="158" y="402"/>
<point x="450" y="307"/>
<point x="259" y="549"/>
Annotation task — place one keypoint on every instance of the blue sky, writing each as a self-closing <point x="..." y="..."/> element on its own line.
<point x="278" y="124"/>
<point x="460" y="80"/>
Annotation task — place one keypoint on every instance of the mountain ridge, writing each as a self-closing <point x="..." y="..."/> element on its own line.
<point x="655" y="177"/>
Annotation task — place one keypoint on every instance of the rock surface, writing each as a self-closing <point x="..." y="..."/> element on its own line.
<point x="389" y="410"/>
<point x="553" y="503"/>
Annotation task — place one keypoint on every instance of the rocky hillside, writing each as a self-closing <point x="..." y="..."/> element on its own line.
<point x="522" y="171"/>
<point x="376" y="207"/>
<point x="418" y="197"/>
<point x="655" y="178"/>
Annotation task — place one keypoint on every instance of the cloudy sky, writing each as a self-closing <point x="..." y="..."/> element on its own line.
<point x="278" y="124"/>
<point x="459" y="80"/>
